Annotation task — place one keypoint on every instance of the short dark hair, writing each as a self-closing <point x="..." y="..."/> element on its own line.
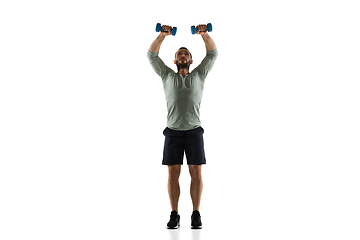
<point x="186" y="49"/>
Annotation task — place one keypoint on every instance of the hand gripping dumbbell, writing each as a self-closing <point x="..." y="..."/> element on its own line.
<point x="208" y="28"/>
<point x="159" y="28"/>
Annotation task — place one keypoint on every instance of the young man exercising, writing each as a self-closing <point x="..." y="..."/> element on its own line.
<point x="183" y="91"/>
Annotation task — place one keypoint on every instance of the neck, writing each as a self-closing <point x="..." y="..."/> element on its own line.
<point x="183" y="71"/>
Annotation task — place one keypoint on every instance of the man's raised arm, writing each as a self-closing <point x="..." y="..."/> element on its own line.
<point x="209" y="43"/>
<point x="155" y="46"/>
<point x="211" y="54"/>
<point x="153" y="54"/>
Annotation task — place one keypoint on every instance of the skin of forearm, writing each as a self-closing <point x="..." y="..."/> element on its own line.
<point x="155" y="46"/>
<point x="209" y="42"/>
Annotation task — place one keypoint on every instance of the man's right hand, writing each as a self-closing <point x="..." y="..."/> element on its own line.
<point x="166" y="28"/>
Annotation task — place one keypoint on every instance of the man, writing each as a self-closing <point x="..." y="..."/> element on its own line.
<point x="183" y="91"/>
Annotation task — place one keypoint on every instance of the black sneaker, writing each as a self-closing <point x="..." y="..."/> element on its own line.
<point x="196" y="220"/>
<point x="174" y="222"/>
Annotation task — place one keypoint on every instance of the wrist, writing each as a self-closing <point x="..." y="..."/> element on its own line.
<point x="161" y="36"/>
<point x="205" y="35"/>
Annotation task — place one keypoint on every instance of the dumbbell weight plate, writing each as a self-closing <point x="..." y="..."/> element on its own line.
<point x="209" y="27"/>
<point x="158" y="27"/>
<point x="173" y="31"/>
<point x="193" y="29"/>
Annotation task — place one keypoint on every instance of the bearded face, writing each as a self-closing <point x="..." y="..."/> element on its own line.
<point x="183" y="59"/>
<point x="183" y="63"/>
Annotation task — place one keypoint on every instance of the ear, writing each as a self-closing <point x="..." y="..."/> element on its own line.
<point x="174" y="61"/>
<point x="191" y="62"/>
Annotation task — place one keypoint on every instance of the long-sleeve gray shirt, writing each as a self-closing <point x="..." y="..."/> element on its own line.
<point x="183" y="94"/>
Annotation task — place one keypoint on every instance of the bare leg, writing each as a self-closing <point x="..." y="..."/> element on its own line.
<point x="174" y="186"/>
<point x="196" y="185"/>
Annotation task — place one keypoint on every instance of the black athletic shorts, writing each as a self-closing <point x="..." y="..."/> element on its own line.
<point x="176" y="142"/>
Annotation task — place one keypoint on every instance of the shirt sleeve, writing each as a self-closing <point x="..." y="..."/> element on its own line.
<point x="158" y="65"/>
<point x="206" y="65"/>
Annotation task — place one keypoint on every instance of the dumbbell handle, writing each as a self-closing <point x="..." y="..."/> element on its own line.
<point x="160" y="28"/>
<point x="194" y="29"/>
<point x="201" y="31"/>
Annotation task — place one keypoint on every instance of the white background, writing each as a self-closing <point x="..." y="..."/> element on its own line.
<point x="82" y="115"/>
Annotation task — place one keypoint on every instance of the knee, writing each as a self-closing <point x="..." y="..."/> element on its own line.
<point x="195" y="174"/>
<point x="174" y="174"/>
<point x="174" y="177"/>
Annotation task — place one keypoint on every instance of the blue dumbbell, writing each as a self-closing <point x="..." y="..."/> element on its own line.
<point x="159" y="28"/>
<point x="194" y="29"/>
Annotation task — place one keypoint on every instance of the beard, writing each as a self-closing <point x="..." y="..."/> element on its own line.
<point x="183" y="65"/>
